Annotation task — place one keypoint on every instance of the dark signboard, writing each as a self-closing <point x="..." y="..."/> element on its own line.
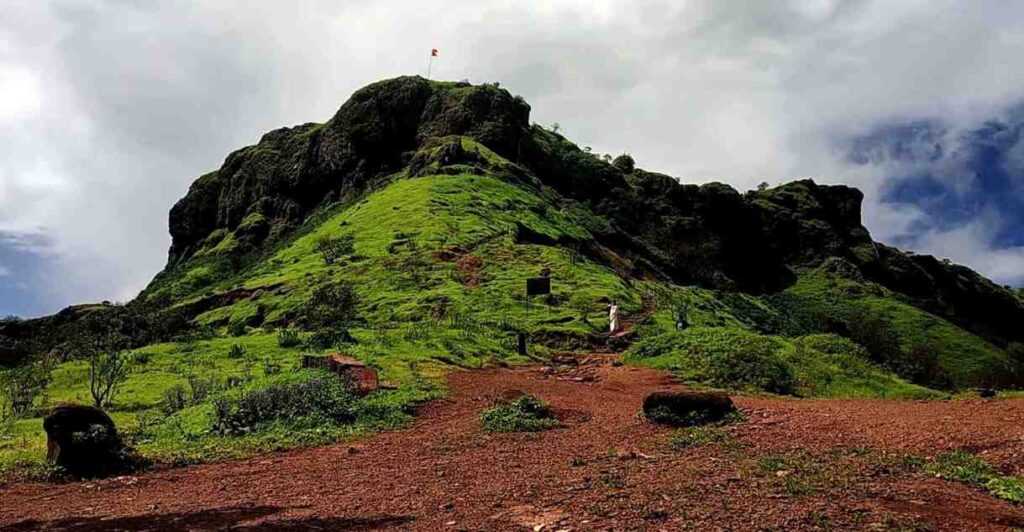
<point x="538" y="286"/>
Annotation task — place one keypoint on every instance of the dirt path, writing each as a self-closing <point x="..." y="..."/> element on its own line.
<point x="606" y="470"/>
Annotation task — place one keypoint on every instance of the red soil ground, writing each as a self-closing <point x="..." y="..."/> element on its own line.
<point x="793" y="465"/>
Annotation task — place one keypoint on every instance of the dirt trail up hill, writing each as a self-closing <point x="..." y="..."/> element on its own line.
<point x="607" y="469"/>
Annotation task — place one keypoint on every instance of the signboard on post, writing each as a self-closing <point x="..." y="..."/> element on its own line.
<point x="538" y="286"/>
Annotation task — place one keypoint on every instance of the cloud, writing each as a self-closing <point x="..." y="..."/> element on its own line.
<point x="110" y="109"/>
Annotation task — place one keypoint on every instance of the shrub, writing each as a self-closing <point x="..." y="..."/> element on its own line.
<point x="271" y="368"/>
<point x="107" y="372"/>
<point x="720" y="356"/>
<point x="624" y="163"/>
<point x="22" y="387"/>
<point x="322" y="398"/>
<point x="199" y="389"/>
<point x="288" y="338"/>
<point x="236" y="352"/>
<point x="333" y="249"/>
<point x="331" y="306"/>
<point x="522" y="414"/>
<point x="174" y="399"/>
<point x="876" y="335"/>
<point x="328" y="338"/>
<point x="237" y="328"/>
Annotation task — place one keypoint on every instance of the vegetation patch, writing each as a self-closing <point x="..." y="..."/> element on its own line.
<point x="801" y="472"/>
<point x="524" y="413"/>
<point x="969" y="468"/>
<point x="699" y="436"/>
<point x="732" y="357"/>
<point x="320" y="399"/>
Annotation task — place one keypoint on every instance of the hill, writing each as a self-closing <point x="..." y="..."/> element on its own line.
<point x="403" y="229"/>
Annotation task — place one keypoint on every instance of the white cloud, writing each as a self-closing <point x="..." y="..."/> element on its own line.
<point x="972" y="243"/>
<point x="21" y="94"/>
<point x="118" y="106"/>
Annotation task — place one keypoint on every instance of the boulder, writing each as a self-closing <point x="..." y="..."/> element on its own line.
<point x="687" y="408"/>
<point x="359" y="378"/>
<point x="84" y="441"/>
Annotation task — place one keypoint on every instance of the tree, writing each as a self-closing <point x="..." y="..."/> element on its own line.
<point x="108" y="369"/>
<point x="624" y="163"/>
<point x="22" y="387"/>
<point x="763" y="185"/>
<point x="556" y="127"/>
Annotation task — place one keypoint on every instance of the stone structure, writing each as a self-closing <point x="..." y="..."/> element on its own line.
<point x="361" y="378"/>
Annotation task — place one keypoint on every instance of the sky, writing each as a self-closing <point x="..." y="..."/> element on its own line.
<point x="110" y="108"/>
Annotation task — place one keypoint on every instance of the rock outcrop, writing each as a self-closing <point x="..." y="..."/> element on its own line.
<point x="687" y="408"/>
<point x="84" y="442"/>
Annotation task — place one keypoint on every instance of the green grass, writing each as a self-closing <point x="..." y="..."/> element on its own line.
<point x="439" y="266"/>
<point x="521" y="414"/>
<point x="184" y="436"/>
<point x="966" y="359"/>
<point x="969" y="468"/>
<point x="737" y="358"/>
<point x="685" y="438"/>
<point x="412" y="328"/>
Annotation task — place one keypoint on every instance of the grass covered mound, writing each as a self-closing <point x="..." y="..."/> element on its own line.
<point x="519" y="413"/>
<point x="820" y="365"/>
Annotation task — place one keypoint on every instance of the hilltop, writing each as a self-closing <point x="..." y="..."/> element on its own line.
<point x="402" y="231"/>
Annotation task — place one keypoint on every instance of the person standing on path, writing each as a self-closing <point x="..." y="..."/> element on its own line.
<point x="613" y="317"/>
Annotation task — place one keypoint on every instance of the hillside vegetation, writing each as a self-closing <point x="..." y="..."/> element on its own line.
<point x="402" y="232"/>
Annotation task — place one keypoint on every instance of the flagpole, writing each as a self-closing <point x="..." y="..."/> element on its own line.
<point x="430" y="63"/>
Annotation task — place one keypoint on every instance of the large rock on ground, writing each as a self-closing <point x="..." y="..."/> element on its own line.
<point x="84" y="441"/>
<point x="687" y="408"/>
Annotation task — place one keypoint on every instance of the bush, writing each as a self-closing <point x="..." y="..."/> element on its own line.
<point x="271" y="368"/>
<point x="237" y="328"/>
<point x="875" y="334"/>
<point x="107" y="372"/>
<point x="624" y="163"/>
<point x="22" y="388"/>
<point x="174" y="399"/>
<point x="720" y="356"/>
<point x="322" y="398"/>
<point x="288" y="338"/>
<point x="200" y="389"/>
<point x="331" y="306"/>
<point x="525" y="413"/>
<point x="333" y="249"/>
<point x="237" y="352"/>
<point x="328" y="338"/>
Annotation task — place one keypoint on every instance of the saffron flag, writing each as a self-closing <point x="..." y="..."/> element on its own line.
<point x="433" y="52"/>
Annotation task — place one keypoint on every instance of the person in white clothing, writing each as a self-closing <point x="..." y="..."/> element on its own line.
<point x="613" y="317"/>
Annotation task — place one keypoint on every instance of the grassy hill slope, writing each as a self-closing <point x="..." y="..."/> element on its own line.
<point x="419" y="267"/>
